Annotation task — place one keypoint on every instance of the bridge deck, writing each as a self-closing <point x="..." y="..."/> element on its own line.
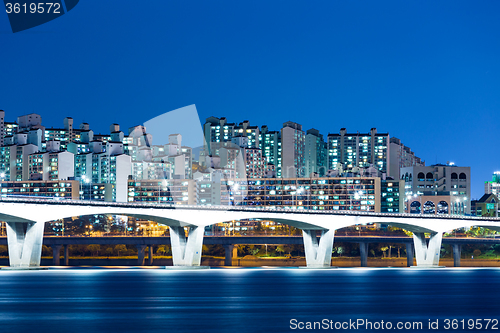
<point x="244" y="240"/>
<point x="162" y="206"/>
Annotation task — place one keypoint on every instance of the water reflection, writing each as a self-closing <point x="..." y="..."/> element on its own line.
<point x="239" y="300"/>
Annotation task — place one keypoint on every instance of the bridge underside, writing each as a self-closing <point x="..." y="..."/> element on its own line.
<point x="25" y="238"/>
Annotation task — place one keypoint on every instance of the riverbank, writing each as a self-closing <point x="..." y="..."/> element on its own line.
<point x="251" y="261"/>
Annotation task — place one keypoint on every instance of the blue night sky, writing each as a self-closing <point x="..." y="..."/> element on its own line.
<point x="426" y="72"/>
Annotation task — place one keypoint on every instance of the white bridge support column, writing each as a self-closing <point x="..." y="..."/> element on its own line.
<point x="25" y="243"/>
<point x="427" y="255"/>
<point x="186" y="252"/>
<point x="318" y="253"/>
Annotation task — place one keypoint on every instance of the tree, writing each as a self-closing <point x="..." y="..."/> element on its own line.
<point x="3" y="250"/>
<point x="120" y="248"/>
<point x="161" y="250"/>
<point x="109" y="252"/>
<point x="339" y="250"/>
<point x="46" y="250"/>
<point x="383" y="249"/>
<point x="280" y="249"/>
<point x="253" y="249"/>
<point x="94" y="249"/>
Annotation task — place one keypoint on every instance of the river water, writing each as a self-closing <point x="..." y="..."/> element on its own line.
<point x="247" y="300"/>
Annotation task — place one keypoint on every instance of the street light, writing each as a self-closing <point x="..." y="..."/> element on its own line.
<point x="357" y="196"/>
<point x="299" y="191"/>
<point x="408" y="198"/>
<point x="234" y="188"/>
<point x="86" y="181"/>
<point x="460" y="208"/>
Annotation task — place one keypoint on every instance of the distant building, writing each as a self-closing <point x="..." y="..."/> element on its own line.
<point x="493" y="186"/>
<point x="272" y="152"/>
<point x="487" y="206"/>
<point x="293" y="141"/>
<point x="358" y="150"/>
<point x="68" y="189"/>
<point x="392" y="196"/>
<point x="401" y="156"/>
<point x="428" y="187"/>
<point x="175" y="191"/>
<point x="315" y="153"/>
<point x="342" y="193"/>
<point x="58" y="165"/>
<point x="2" y="126"/>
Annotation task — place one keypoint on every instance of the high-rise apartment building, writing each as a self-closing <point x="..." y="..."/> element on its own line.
<point x="217" y="132"/>
<point x="401" y="156"/>
<point x="2" y="126"/>
<point x="293" y="150"/>
<point x="11" y="128"/>
<point x="270" y="144"/>
<point x="358" y="150"/>
<point x="251" y="132"/>
<point x="255" y="163"/>
<point x="19" y="161"/>
<point x="29" y="121"/>
<point x="54" y="165"/>
<point x="315" y="154"/>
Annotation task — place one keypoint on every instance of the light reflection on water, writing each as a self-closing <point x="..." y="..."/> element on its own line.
<point x="237" y="300"/>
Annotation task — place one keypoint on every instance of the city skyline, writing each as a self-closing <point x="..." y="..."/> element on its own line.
<point x="426" y="73"/>
<point x="176" y="116"/>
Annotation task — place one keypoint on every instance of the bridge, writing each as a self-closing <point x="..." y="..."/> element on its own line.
<point x="25" y="219"/>
<point x="229" y="242"/>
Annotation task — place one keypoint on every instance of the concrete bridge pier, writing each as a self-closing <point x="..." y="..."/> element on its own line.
<point x="150" y="255"/>
<point x="25" y="244"/>
<point x="56" y="255"/>
<point x="186" y="251"/>
<point x="318" y="252"/>
<point x="231" y="251"/>
<point x="409" y="254"/>
<point x="66" y="255"/>
<point x="363" y="253"/>
<point x="457" y="253"/>
<point x="141" y="254"/>
<point x="427" y="255"/>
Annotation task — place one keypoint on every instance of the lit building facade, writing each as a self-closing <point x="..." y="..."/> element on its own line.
<point x="392" y="196"/>
<point x="175" y="191"/>
<point x="293" y="150"/>
<point x="315" y="154"/>
<point x="428" y="187"/>
<point x="305" y="193"/>
<point x="493" y="186"/>
<point x="68" y="189"/>
<point x="401" y="156"/>
<point x="358" y="150"/>
<point x="486" y="206"/>
<point x="270" y="144"/>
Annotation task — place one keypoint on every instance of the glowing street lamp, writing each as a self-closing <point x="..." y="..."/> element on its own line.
<point x="357" y="196"/>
